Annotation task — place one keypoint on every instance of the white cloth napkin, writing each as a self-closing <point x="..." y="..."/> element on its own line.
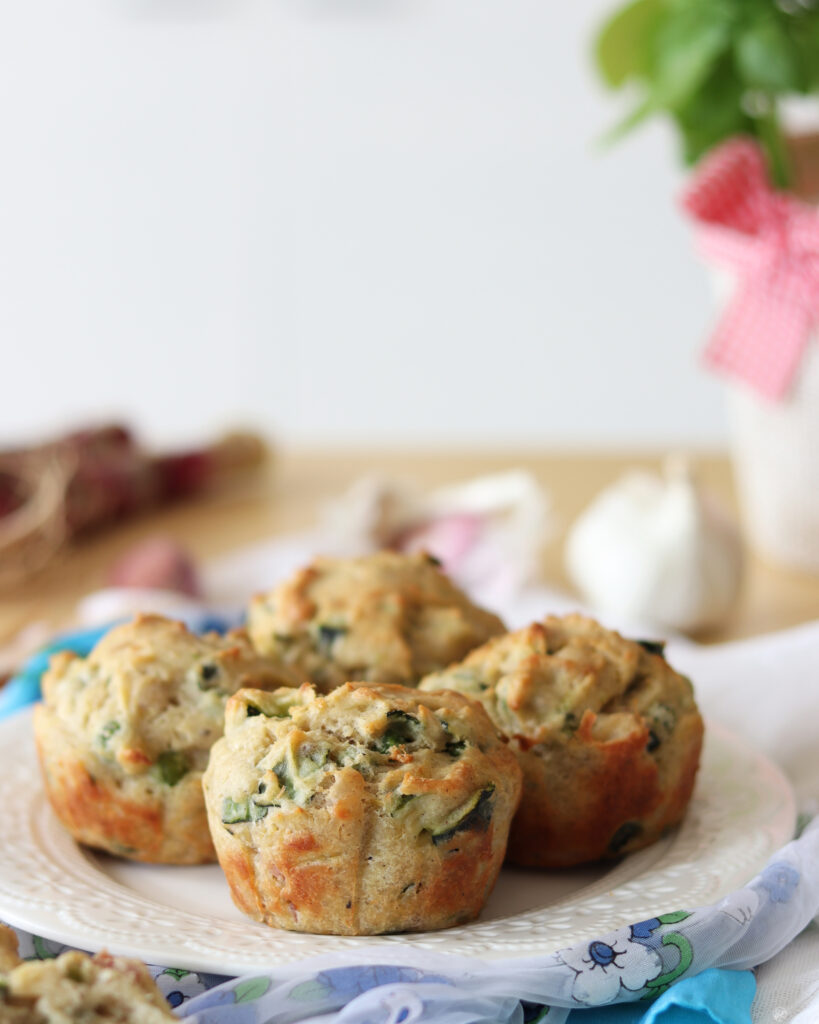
<point x="767" y="689"/>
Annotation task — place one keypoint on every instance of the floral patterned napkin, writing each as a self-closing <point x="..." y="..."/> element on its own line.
<point x="695" y="959"/>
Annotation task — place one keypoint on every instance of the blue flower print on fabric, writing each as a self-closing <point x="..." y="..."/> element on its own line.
<point x="345" y="983"/>
<point x="643" y="929"/>
<point x="178" y="985"/>
<point x="230" y="1003"/>
<point x="216" y="997"/>
<point x="352" y="981"/>
<point x="780" y="881"/>
<point x="604" y="967"/>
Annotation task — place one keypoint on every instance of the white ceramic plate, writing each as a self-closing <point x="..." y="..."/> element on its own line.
<point x="742" y="811"/>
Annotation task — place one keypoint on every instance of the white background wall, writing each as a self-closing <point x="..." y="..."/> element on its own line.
<point x="345" y="220"/>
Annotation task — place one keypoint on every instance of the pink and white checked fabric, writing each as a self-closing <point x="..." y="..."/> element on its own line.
<point x="770" y="242"/>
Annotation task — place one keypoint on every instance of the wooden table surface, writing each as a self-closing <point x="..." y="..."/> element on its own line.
<point x="285" y="496"/>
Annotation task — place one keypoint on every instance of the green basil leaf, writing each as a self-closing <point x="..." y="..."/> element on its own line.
<point x="714" y="113"/>
<point x="475" y="814"/>
<point x="327" y="634"/>
<point x="235" y="812"/>
<point x="400" y="802"/>
<point x="804" y="34"/>
<point x="107" y="732"/>
<point x="628" y="124"/>
<point x="401" y="730"/>
<point x="282" y="773"/>
<point x="625" y="44"/>
<point x="766" y="57"/>
<point x="624" y="834"/>
<point x="172" y="766"/>
<point x="688" y="48"/>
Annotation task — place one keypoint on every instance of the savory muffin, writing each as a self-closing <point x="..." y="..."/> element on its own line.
<point x="76" y="988"/>
<point x="608" y="736"/>
<point x="385" y="618"/>
<point x="8" y="951"/>
<point x="373" y="809"/>
<point x="124" y="735"/>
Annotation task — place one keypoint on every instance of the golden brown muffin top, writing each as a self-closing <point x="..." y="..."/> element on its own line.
<point x="387" y="617"/>
<point x="430" y="760"/>
<point x="569" y="676"/>
<point x="76" y="987"/>
<point x="151" y="695"/>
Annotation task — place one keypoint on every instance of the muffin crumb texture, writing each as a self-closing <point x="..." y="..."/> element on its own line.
<point x="373" y="809"/>
<point x="76" y="988"/>
<point x="386" y="618"/>
<point x="124" y="735"/>
<point x="607" y="734"/>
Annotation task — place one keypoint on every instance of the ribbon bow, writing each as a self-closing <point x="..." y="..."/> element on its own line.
<point x="770" y="242"/>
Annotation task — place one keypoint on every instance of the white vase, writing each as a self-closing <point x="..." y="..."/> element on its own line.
<point x="776" y="455"/>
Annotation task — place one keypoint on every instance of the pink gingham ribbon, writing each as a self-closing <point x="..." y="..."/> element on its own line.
<point x="770" y="243"/>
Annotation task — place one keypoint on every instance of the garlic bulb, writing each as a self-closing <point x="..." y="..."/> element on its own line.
<point x="657" y="550"/>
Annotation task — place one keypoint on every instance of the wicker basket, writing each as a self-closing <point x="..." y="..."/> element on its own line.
<point x="32" y="534"/>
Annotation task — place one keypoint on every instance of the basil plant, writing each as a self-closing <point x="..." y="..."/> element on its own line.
<point x="719" y="68"/>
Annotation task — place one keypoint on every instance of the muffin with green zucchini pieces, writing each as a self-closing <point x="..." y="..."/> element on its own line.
<point x="608" y="736"/>
<point x="77" y="988"/>
<point x="373" y="809"/>
<point x="382" y="618"/>
<point x="124" y="735"/>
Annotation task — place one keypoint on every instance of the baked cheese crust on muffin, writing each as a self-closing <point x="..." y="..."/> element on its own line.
<point x="77" y="988"/>
<point x="608" y="736"/>
<point x="373" y="809"/>
<point x="124" y="735"/>
<point x="386" y="618"/>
